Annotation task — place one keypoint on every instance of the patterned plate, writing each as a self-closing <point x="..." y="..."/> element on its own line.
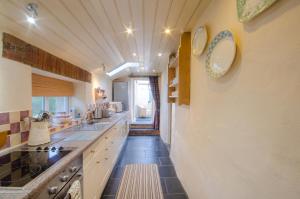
<point x="199" y="40"/>
<point x="248" y="9"/>
<point x="221" y="53"/>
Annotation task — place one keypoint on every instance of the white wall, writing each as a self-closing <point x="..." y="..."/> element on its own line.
<point x="164" y="107"/>
<point x="104" y="82"/>
<point x="239" y="138"/>
<point x="84" y="92"/>
<point x="15" y="85"/>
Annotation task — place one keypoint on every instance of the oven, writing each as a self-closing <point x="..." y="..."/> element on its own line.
<point x="59" y="185"/>
<point x="63" y="194"/>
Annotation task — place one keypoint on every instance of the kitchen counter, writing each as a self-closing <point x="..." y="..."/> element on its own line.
<point x="71" y="137"/>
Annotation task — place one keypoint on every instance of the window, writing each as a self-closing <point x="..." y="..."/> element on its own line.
<point x="51" y="104"/>
<point x="38" y="104"/>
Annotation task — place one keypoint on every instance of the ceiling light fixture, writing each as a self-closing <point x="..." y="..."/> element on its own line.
<point x="167" y="31"/>
<point x="154" y="70"/>
<point x="129" y="31"/>
<point x="134" y="54"/>
<point x="31" y="9"/>
<point x="159" y="54"/>
<point x="122" y="67"/>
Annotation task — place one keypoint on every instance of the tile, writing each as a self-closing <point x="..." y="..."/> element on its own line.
<point x="175" y="196"/>
<point x="117" y="172"/>
<point x="167" y="171"/>
<point x="4" y="127"/>
<point x="111" y="187"/>
<point x="165" y="161"/>
<point x="163" y="185"/>
<point x="23" y="114"/>
<point x="24" y="136"/>
<point x="146" y="149"/>
<point x="7" y="143"/>
<point x="15" y="127"/>
<point x="173" y="185"/>
<point x="108" y="197"/>
<point x="14" y="117"/>
<point x="15" y="139"/>
<point x="4" y="118"/>
<point x="23" y="127"/>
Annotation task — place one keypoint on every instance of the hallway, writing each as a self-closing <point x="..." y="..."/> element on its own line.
<point x="146" y="149"/>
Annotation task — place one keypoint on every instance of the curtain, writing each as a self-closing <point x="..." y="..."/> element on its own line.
<point x="156" y="96"/>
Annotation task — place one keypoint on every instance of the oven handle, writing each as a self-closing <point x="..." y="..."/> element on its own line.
<point x="63" y="194"/>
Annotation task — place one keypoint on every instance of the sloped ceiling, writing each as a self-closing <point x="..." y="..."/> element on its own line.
<point x="90" y="33"/>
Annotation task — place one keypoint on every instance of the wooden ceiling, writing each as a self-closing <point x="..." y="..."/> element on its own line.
<point x="90" y="33"/>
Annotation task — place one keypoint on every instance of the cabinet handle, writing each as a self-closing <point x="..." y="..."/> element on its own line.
<point x="98" y="162"/>
<point x="106" y="137"/>
<point x="106" y="158"/>
<point x="106" y="149"/>
<point x="93" y="151"/>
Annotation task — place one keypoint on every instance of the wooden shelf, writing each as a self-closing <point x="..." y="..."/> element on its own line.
<point x="179" y="67"/>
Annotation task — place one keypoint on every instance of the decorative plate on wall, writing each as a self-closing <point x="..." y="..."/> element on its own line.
<point x="199" y="40"/>
<point x="221" y="53"/>
<point x="248" y="9"/>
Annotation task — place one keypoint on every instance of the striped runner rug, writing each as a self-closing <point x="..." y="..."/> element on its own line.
<point x="140" y="181"/>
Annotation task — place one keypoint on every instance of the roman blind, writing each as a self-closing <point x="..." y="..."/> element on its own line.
<point x="47" y="86"/>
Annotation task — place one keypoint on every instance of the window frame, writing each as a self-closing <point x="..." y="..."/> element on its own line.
<point x="45" y="102"/>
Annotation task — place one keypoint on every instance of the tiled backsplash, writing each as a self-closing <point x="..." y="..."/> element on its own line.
<point x="13" y="123"/>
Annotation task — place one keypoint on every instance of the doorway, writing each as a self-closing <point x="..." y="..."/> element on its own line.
<point x="143" y="104"/>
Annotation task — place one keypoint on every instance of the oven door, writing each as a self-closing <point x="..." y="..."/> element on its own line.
<point x="63" y="194"/>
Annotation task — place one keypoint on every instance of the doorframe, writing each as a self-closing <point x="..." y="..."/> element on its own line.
<point x="132" y="100"/>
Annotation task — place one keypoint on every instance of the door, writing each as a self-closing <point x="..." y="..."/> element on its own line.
<point x="120" y="94"/>
<point x="143" y="104"/>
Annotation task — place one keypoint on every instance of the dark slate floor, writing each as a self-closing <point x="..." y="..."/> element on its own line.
<point x="146" y="149"/>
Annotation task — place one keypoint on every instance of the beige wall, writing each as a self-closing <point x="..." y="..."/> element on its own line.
<point x="239" y="138"/>
<point x="15" y="85"/>
<point x="104" y="82"/>
<point x="164" y="107"/>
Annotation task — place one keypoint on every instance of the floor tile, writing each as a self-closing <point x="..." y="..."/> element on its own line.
<point x="108" y="197"/>
<point x="165" y="161"/>
<point x="146" y="150"/>
<point x="117" y="172"/>
<point x="167" y="171"/>
<point x="173" y="185"/>
<point x="111" y="187"/>
<point x="163" y="185"/>
<point x="175" y="196"/>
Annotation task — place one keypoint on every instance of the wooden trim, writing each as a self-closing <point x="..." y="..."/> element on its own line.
<point x="171" y="76"/>
<point x="21" y="51"/>
<point x="47" y="86"/>
<point x="179" y="67"/>
<point x="184" y="59"/>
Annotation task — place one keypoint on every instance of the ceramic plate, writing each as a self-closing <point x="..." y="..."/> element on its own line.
<point x="221" y="53"/>
<point x="247" y="9"/>
<point x="199" y="40"/>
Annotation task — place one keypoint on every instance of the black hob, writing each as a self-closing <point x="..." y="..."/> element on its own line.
<point x="20" y="167"/>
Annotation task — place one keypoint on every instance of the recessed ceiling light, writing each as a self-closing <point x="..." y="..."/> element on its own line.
<point x="134" y="54"/>
<point x="31" y="20"/>
<point x="142" y="68"/>
<point x="159" y="54"/>
<point x="129" y="31"/>
<point x="31" y="9"/>
<point x="167" y="31"/>
<point x="154" y="70"/>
